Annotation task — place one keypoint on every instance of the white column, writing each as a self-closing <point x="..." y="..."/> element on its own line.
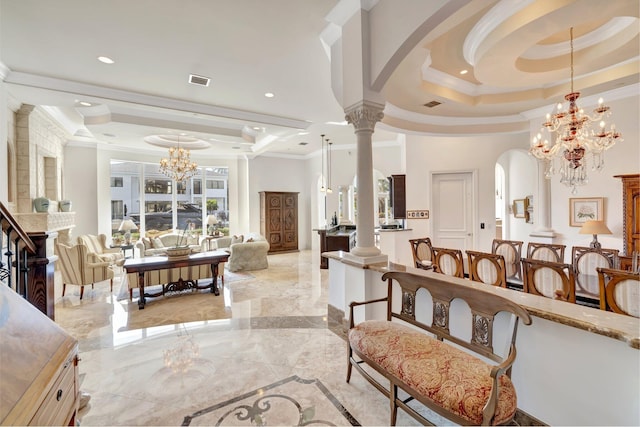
<point x="363" y="116"/>
<point x="542" y="206"/>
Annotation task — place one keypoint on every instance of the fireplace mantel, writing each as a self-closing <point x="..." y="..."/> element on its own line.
<point x="62" y="222"/>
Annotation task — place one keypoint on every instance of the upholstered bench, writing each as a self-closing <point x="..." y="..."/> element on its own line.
<point x="456" y="381"/>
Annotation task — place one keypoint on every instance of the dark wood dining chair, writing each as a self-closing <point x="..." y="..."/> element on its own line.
<point x="448" y="261"/>
<point x="546" y="251"/>
<point x="511" y="250"/>
<point x="487" y="268"/>
<point x="549" y="279"/>
<point x="421" y="251"/>
<point x="619" y="291"/>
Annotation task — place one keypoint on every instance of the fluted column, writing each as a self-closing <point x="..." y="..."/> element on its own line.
<point x="364" y="116"/>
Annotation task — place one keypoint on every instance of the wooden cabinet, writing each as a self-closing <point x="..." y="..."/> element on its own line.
<point x="279" y="220"/>
<point x="38" y="372"/>
<point x="631" y="215"/>
<point x="340" y="238"/>
<point x="398" y="196"/>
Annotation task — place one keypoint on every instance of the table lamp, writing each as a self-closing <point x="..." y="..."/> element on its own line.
<point x="595" y="228"/>
<point x="212" y="221"/>
<point x="127" y="225"/>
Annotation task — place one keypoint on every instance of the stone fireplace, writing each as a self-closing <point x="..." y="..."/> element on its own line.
<point x="39" y="157"/>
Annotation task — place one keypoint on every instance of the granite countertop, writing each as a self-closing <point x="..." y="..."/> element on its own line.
<point x="613" y="325"/>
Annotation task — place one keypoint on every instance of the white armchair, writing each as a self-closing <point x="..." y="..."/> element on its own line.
<point x="98" y="246"/>
<point x="81" y="267"/>
<point x="251" y="254"/>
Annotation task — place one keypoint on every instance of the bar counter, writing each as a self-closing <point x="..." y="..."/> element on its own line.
<point x="612" y="325"/>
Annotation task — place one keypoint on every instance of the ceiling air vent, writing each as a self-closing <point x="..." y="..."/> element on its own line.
<point x="199" y="80"/>
<point x="432" y="104"/>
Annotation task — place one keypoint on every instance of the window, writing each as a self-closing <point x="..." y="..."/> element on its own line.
<point x="116" y="181"/>
<point x="157" y="186"/>
<point x="181" y="188"/>
<point x="215" y="184"/>
<point x="117" y="209"/>
<point x="153" y="202"/>
<point x="197" y="186"/>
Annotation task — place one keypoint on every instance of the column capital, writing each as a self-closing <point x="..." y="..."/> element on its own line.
<point x="364" y="115"/>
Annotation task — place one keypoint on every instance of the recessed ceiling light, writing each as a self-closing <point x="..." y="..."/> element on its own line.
<point x="269" y="95"/>
<point x="303" y="133"/>
<point x="464" y="71"/>
<point x="85" y="103"/>
<point x="106" y="60"/>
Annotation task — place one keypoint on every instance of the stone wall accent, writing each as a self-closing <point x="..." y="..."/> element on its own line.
<point x="39" y="157"/>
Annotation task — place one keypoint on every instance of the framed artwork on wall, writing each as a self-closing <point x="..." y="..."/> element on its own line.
<point x="585" y="209"/>
<point x="529" y="212"/>
<point x="519" y="208"/>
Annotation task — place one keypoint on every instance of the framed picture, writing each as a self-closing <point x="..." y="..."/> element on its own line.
<point x="519" y="208"/>
<point x="582" y="210"/>
<point x="528" y="215"/>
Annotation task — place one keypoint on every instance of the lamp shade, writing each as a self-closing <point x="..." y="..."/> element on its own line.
<point x="212" y="220"/>
<point x="127" y="225"/>
<point x="595" y="227"/>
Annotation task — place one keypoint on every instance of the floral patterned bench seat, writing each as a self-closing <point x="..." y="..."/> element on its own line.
<point x="453" y="381"/>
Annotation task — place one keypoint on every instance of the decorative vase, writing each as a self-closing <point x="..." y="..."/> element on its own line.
<point x="65" y="205"/>
<point x="178" y="252"/>
<point x="41" y="204"/>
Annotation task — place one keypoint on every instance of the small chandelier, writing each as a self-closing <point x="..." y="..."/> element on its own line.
<point x="178" y="166"/>
<point x="575" y="139"/>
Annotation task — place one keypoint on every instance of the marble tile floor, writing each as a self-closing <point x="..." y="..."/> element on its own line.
<point x="273" y="326"/>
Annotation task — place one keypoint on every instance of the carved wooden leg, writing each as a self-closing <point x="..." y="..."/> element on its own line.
<point x="111" y="285"/>
<point x="141" y="300"/>
<point x="214" y="281"/>
<point x="81" y="291"/>
<point x="349" y="367"/>
<point x="392" y="401"/>
<point x="64" y="288"/>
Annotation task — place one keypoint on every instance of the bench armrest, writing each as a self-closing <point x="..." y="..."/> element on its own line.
<point x="357" y="303"/>
<point x="490" y="407"/>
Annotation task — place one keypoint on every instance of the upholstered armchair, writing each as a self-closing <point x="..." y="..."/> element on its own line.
<point x="81" y="267"/>
<point x="248" y="254"/>
<point x="98" y="246"/>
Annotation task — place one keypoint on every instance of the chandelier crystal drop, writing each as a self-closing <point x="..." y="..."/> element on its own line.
<point x="178" y="166"/>
<point x="576" y="137"/>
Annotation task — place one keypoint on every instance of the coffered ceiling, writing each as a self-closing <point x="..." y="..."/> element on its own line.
<point x="516" y="54"/>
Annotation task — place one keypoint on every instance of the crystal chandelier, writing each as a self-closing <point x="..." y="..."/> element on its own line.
<point x="575" y="138"/>
<point x="179" y="165"/>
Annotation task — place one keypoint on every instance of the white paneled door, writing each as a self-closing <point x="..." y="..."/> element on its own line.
<point x="453" y="201"/>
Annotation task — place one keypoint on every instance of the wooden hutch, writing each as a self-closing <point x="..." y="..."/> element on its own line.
<point x="631" y="217"/>
<point x="279" y="220"/>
